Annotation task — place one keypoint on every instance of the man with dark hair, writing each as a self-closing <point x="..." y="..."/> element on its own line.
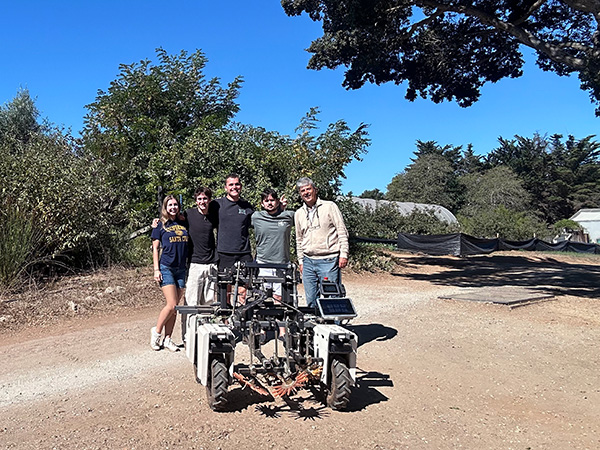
<point x="321" y="240"/>
<point x="272" y="227"/>
<point x="202" y="221"/>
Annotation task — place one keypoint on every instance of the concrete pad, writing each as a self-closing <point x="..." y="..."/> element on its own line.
<point x="503" y="295"/>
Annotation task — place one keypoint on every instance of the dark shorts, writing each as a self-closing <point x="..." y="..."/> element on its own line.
<point x="227" y="260"/>
<point x="173" y="275"/>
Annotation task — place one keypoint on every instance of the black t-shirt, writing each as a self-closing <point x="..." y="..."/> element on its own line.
<point x="200" y="227"/>
<point x="234" y="223"/>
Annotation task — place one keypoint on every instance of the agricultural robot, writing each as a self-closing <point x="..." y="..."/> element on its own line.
<point x="308" y="347"/>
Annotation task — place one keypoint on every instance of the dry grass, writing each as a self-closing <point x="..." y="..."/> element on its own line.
<point x="79" y="295"/>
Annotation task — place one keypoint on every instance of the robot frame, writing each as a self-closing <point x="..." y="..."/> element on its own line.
<point x="310" y="347"/>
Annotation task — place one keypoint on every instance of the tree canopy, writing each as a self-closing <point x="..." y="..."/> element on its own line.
<point x="448" y="49"/>
<point x="165" y="124"/>
<point x="562" y="176"/>
<point x="147" y="112"/>
<point x="432" y="177"/>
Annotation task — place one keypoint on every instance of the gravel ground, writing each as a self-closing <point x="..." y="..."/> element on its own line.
<point x="432" y="373"/>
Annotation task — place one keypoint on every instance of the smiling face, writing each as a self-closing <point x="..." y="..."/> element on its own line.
<point x="202" y="201"/>
<point x="308" y="194"/>
<point x="270" y="204"/>
<point x="172" y="208"/>
<point x="233" y="187"/>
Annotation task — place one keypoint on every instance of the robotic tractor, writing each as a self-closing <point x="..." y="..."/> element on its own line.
<point x="308" y="348"/>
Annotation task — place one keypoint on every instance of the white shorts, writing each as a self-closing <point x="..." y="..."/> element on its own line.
<point x="270" y="273"/>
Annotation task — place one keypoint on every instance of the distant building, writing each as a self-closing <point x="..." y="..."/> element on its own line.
<point x="406" y="208"/>
<point x="589" y="219"/>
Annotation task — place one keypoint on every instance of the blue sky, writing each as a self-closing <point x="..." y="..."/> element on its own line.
<point x="64" y="51"/>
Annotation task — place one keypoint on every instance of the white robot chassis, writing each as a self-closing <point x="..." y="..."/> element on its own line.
<point x="310" y="348"/>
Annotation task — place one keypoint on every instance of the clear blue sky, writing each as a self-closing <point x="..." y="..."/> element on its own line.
<point x="64" y="51"/>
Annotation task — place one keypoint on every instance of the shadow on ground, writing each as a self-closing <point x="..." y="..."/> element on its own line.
<point x="372" y="332"/>
<point x="547" y="274"/>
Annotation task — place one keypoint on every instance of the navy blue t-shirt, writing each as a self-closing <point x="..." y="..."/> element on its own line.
<point x="173" y="237"/>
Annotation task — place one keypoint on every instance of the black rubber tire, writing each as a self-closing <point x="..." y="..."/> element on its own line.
<point x="218" y="384"/>
<point x="339" y="386"/>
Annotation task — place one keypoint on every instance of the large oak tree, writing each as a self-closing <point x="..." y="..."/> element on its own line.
<point x="448" y="49"/>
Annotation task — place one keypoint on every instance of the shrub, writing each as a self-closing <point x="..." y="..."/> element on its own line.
<point x="370" y="258"/>
<point x="20" y="246"/>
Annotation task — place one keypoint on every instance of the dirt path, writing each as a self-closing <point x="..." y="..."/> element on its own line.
<point x="432" y="373"/>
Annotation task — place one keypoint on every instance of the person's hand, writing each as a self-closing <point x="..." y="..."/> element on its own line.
<point x="300" y="268"/>
<point x="343" y="262"/>
<point x="283" y="202"/>
<point x="157" y="275"/>
<point x="155" y="223"/>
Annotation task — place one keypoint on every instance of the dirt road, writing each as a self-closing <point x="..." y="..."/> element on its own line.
<point x="433" y="373"/>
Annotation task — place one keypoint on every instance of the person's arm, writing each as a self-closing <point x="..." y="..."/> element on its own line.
<point x="299" y="251"/>
<point x="155" y="260"/>
<point x="342" y="233"/>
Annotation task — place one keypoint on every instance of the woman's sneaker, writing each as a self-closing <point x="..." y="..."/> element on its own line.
<point x="154" y="339"/>
<point x="170" y="345"/>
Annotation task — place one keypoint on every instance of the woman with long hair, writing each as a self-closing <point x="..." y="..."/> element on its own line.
<point x="169" y="269"/>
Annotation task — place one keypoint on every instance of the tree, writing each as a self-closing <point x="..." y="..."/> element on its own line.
<point x="56" y="207"/>
<point x="448" y="49"/>
<point x="19" y="120"/>
<point x="499" y="186"/>
<point x="433" y="175"/>
<point x="561" y="177"/>
<point x="374" y="194"/>
<point x="502" y="222"/>
<point x="263" y="158"/>
<point x="150" y="110"/>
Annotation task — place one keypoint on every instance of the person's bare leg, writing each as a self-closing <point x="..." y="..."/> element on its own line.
<point x="172" y="296"/>
<point x="170" y="324"/>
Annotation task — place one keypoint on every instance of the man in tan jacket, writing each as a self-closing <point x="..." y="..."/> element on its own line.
<point x="321" y="240"/>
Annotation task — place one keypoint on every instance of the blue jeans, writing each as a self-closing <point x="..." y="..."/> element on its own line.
<point x="314" y="270"/>
<point x="173" y="275"/>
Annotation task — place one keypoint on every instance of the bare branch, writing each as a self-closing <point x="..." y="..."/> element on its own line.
<point x="554" y="52"/>
<point x="423" y="22"/>
<point x="529" y="12"/>
<point x="588" y="6"/>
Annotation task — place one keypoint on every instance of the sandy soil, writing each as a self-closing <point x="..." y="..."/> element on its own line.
<point x="433" y="373"/>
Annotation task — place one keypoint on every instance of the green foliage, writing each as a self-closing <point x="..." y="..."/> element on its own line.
<point x="566" y="224"/>
<point x="20" y="246"/>
<point x="447" y="50"/>
<point x="374" y="194"/>
<point x="504" y="223"/>
<point x="429" y="179"/>
<point x="18" y="121"/>
<point x="435" y="175"/>
<point x="386" y="222"/>
<point x="166" y="125"/>
<point x="561" y="177"/>
<point x="137" y="252"/>
<point x="60" y="194"/>
<point x="499" y="186"/>
<point x="370" y="258"/>
<point x="148" y="113"/>
<point x="261" y="158"/>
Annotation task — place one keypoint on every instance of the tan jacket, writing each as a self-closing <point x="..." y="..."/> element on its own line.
<point x="325" y="237"/>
